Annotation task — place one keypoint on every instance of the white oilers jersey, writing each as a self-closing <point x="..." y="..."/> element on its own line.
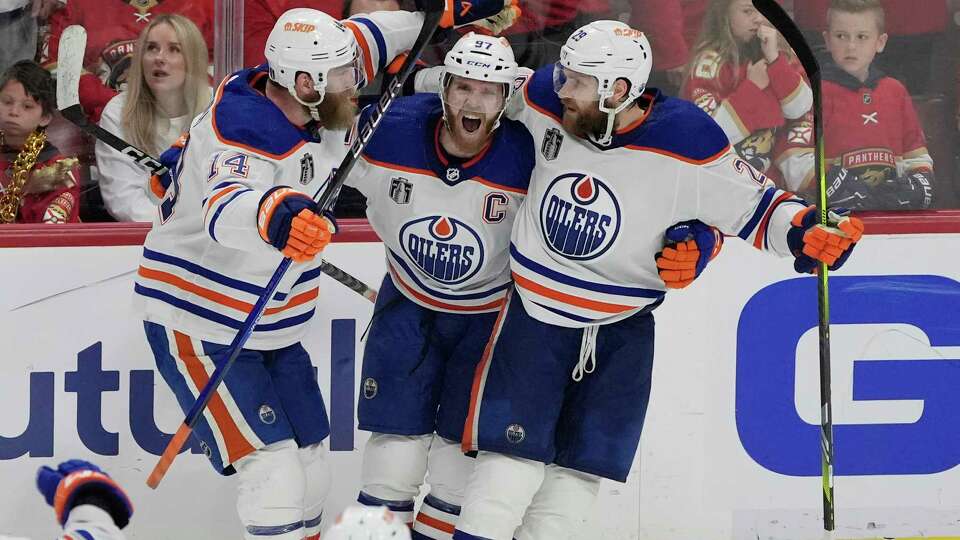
<point x="445" y="223"/>
<point x="205" y="264"/>
<point x="584" y="245"/>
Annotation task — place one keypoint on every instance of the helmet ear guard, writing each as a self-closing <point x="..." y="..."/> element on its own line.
<point x="607" y="51"/>
<point x="312" y="42"/>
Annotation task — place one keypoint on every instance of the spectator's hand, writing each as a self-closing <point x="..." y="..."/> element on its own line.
<point x="831" y="243"/>
<point x="911" y="192"/>
<point x="769" y="43"/>
<point x="846" y="189"/>
<point x="41" y="9"/>
<point x="757" y="73"/>
<point x="76" y="481"/>
<point x="688" y="247"/>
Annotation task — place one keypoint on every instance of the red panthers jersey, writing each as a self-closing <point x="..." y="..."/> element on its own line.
<point x="870" y="128"/>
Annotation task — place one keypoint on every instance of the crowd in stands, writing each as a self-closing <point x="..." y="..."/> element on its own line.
<point x="891" y="85"/>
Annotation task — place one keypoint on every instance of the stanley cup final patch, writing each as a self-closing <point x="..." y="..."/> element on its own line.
<point x="306" y="169"/>
<point x="550" y="147"/>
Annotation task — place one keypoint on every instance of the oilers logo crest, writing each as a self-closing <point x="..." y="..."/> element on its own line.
<point x="445" y="248"/>
<point x="579" y="216"/>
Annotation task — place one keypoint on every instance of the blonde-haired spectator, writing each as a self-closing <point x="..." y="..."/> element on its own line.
<point x="167" y="87"/>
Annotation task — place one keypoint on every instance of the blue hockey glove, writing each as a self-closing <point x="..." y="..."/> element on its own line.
<point x="502" y="13"/>
<point x="76" y="482"/>
<point x="832" y="243"/>
<point x="689" y="246"/>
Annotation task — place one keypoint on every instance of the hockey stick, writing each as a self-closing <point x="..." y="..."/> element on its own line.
<point x="431" y="20"/>
<point x="72" y="44"/>
<point x="782" y="22"/>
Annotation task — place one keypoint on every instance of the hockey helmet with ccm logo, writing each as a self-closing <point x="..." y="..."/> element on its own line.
<point x="606" y="51"/>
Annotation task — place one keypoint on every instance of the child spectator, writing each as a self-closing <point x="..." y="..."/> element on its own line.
<point x="166" y="89"/>
<point x="112" y="29"/>
<point x="747" y="79"/>
<point x="37" y="184"/>
<point x="875" y="146"/>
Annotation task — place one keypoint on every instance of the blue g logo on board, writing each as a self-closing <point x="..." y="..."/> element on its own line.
<point x="771" y="429"/>
<point x="579" y="216"/>
<point x="443" y="247"/>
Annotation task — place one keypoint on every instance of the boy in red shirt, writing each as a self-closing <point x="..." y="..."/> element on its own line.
<point x="875" y="148"/>
<point x="37" y="184"/>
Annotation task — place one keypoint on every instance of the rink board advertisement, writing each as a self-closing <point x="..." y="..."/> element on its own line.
<point x="730" y="448"/>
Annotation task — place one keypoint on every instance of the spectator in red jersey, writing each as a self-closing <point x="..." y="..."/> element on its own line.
<point x="913" y="28"/>
<point x="875" y="147"/>
<point x="166" y="89"/>
<point x="112" y="29"/>
<point x="745" y="77"/>
<point x="38" y="184"/>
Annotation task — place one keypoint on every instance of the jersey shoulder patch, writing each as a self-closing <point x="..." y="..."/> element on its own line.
<point x="682" y="129"/>
<point x="539" y="93"/>
<point x="242" y="116"/>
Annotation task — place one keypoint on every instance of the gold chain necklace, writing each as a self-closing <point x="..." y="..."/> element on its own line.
<point x="11" y="198"/>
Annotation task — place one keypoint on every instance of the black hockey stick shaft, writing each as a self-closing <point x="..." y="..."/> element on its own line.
<point x="170" y="453"/>
<point x="785" y="25"/>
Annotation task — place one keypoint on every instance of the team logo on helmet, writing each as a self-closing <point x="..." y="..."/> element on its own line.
<point x="445" y="248"/>
<point x="579" y="216"/>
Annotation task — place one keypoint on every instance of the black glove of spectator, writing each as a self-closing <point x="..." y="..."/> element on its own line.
<point x="846" y="189"/>
<point x="911" y="192"/>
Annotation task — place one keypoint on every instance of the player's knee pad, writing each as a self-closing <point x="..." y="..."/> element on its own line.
<point x="561" y="506"/>
<point x="501" y="488"/>
<point x="316" y="469"/>
<point x="271" y="488"/>
<point x="448" y="470"/>
<point x="394" y="466"/>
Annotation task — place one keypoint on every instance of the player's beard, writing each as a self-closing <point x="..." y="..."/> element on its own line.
<point x="469" y="142"/>
<point x="338" y="111"/>
<point x="587" y="119"/>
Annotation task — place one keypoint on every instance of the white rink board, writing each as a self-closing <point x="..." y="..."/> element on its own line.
<point x="694" y="478"/>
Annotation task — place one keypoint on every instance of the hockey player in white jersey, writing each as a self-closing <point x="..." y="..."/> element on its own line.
<point x="238" y="201"/>
<point x="444" y="177"/>
<point x="560" y="395"/>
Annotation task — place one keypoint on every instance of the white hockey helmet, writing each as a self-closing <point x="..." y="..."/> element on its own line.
<point x="368" y="523"/>
<point x="481" y="58"/>
<point x="310" y="41"/>
<point x="607" y="51"/>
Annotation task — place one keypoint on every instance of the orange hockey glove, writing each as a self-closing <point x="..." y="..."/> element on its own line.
<point x="288" y="221"/>
<point x="831" y="244"/>
<point x="689" y="246"/>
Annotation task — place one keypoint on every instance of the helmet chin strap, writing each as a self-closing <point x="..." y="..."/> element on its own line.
<point x="311" y="106"/>
<point x="607" y="136"/>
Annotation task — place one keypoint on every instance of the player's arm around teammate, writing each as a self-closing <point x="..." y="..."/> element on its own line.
<point x="444" y="178"/>
<point x="559" y="398"/>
